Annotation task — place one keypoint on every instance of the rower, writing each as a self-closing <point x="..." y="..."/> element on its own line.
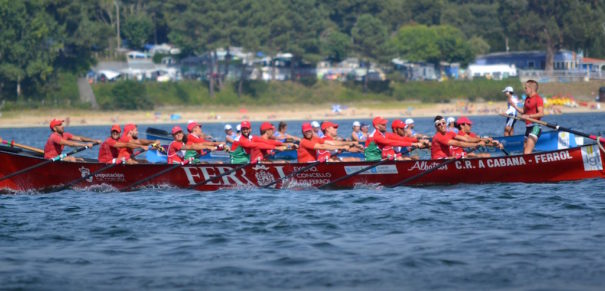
<point x="451" y="124"/>
<point x="196" y="136"/>
<point x="464" y="125"/>
<point x="310" y="144"/>
<point x="243" y="145"/>
<point x="110" y="148"/>
<point x="281" y="133"/>
<point x="410" y="125"/>
<point x="131" y="135"/>
<point x="357" y="135"/>
<point x="266" y="133"/>
<point x="330" y="131"/>
<point x="230" y="135"/>
<point x="59" y="138"/>
<point x="398" y="128"/>
<point x="316" y="129"/>
<point x="378" y="146"/>
<point x="443" y="140"/>
<point x="177" y="147"/>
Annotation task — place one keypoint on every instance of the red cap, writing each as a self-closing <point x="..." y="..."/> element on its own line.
<point x="192" y="125"/>
<point x="245" y="124"/>
<point x="54" y="123"/>
<point x="306" y="127"/>
<point x="176" y="129"/>
<point x="397" y="123"/>
<point x="463" y="119"/>
<point x="379" y="120"/>
<point x="129" y="127"/>
<point x="266" y="126"/>
<point x="327" y="124"/>
<point x="116" y="127"/>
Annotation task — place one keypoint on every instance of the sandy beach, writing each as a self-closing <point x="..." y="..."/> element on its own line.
<point x="40" y="117"/>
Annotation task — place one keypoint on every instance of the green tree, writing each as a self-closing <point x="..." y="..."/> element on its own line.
<point x="30" y="41"/>
<point x="336" y="45"/>
<point x="369" y="37"/>
<point x="137" y="29"/>
<point x="432" y="44"/>
<point x="478" y="45"/>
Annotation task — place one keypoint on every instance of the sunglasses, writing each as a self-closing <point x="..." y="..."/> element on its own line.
<point x="466" y="124"/>
<point x="440" y="122"/>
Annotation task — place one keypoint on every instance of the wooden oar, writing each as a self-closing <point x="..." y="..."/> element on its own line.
<point x="432" y="169"/>
<point x="76" y="181"/>
<point x="558" y="128"/>
<point x="57" y="158"/>
<point x="372" y="166"/>
<point x="218" y="176"/>
<point x="14" y="144"/>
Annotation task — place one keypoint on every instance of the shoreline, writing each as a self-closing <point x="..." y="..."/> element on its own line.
<point x="288" y="112"/>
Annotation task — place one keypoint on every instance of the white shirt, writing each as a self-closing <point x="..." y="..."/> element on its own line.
<point x="511" y="110"/>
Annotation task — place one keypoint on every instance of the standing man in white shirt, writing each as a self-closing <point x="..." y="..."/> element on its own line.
<point x="509" y="128"/>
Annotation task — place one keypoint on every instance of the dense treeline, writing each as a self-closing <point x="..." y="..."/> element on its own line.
<point x="41" y="40"/>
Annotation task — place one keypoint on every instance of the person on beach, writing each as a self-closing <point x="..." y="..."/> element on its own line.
<point x="378" y="146"/>
<point x="443" y="140"/>
<point x="131" y="135"/>
<point x="281" y="134"/>
<point x="511" y="99"/>
<point x="110" y="148"/>
<point x="58" y="139"/>
<point x="532" y="108"/>
<point x="310" y="144"/>
<point x="243" y="145"/>
<point x="177" y="148"/>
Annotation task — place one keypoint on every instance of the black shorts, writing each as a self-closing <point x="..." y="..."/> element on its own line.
<point x="510" y="121"/>
<point x="533" y="130"/>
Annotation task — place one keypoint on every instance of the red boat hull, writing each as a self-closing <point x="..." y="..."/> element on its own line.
<point x="564" y="165"/>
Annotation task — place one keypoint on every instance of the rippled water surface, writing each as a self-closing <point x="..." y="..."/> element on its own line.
<point x="470" y="237"/>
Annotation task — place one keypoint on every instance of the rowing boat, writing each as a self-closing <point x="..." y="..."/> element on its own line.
<point x="585" y="162"/>
<point x="549" y="141"/>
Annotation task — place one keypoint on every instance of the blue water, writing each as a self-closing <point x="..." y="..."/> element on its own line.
<point x="469" y="237"/>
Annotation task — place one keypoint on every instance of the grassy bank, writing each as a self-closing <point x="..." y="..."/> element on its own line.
<point x="146" y="95"/>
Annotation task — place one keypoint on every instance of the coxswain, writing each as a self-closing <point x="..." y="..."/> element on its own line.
<point x="196" y="136"/>
<point x="464" y="129"/>
<point x="243" y="145"/>
<point x="310" y="144"/>
<point x="443" y="140"/>
<point x="110" y="148"/>
<point x="378" y="146"/>
<point x="532" y="108"/>
<point x="177" y="147"/>
<point x="281" y="133"/>
<point x="59" y="138"/>
<point x="330" y="131"/>
<point x="316" y="129"/>
<point x="131" y="135"/>
<point x="509" y="127"/>
<point x="266" y="133"/>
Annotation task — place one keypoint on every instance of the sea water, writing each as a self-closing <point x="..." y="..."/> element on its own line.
<point x="470" y="237"/>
